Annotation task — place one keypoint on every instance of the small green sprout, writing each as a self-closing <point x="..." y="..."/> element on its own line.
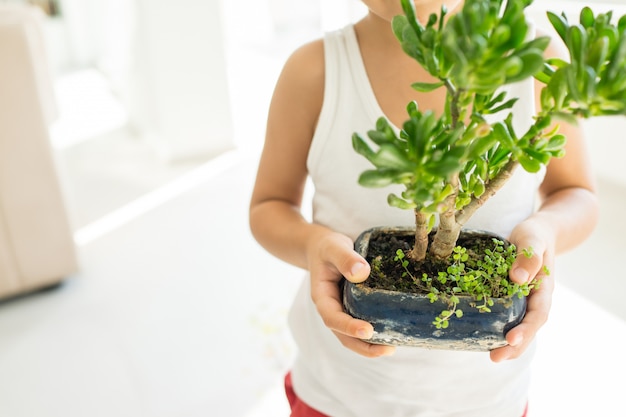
<point x="401" y="257"/>
<point x="484" y="278"/>
<point x="376" y="265"/>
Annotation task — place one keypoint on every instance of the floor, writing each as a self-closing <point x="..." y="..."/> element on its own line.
<point x="148" y="328"/>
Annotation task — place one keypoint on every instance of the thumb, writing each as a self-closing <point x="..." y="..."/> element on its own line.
<point x="526" y="266"/>
<point x="348" y="262"/>
<point x="359" y="271"/>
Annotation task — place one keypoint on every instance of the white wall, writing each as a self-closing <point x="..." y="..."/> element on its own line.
<point x="164" y="60"/>
<point x="179" y="87"/>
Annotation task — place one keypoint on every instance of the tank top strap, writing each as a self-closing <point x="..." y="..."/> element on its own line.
<point x="346" y="86"/>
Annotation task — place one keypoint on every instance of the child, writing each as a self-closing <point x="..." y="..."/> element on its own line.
<point x="329" y="89"/>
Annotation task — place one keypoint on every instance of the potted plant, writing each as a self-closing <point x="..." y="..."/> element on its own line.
<point x="448" y="292"/>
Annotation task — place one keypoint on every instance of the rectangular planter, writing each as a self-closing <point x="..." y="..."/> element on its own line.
<point x="406" y="319"/>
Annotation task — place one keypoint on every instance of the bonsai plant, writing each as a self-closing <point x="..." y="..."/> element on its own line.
<point x="451" y="164"/>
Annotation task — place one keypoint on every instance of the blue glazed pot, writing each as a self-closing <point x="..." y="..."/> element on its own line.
<point x="406" y="319"/>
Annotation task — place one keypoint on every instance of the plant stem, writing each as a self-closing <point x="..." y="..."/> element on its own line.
<point x="455" y="112"/>
<point x="418" y="253"/>
<point x="491" y="188"/>
<point x="449" y="228"/>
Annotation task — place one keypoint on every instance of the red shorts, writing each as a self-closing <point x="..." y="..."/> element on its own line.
<point x="300" y="409"/>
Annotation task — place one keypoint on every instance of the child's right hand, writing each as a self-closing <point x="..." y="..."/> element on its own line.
<point x="330" y="257"/>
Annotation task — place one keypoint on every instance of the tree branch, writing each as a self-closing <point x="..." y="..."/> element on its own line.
<point x="491" y="188"/>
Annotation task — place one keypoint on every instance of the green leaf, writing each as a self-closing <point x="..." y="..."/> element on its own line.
<point x="410" y="44"/>
<point x="409" y="11"/>
<point x="557" y="62"/>
<point x="519" y="29"/>
<point x="482" y="168"/>
<point x="478" y="189"/>
<point x="421" y="195"/>
<point x="382" y="125"/>
<point x="426" y="87"/>
<point x="481" y="145"/>
<point x="543" y="122"/>
<point x="398" y="25"/>
<point x="556" y="142"/>
<point x="513" y="65"/>
<point x="621" y="24"/>
<point x="432" y="19"/>
<point x="505" y="106"/>
<point x="540" y="43"/>
<point x="497" y="99"/>
<point x="420" y="132"/>
<point x="547" y="100"/>
<point x="539" y="156"/>
<point x="576" y="41"/>
<point x="559" y="23"/>
<point x="389" y="156"/>
<point x="395" y="201"/>
<point x="378" y="178"/>
<point x="431" y="222"/>
<point x="586" y="17"/>
<point x="500" y="36"/>
<point x="503" y="136"/>
<point x="611" y="107"/>
<point x="573" y="87"/>
<point x="545" y="75"/>
<point x="618" y="59"/>
<point x="532" y="63"/>
<point x="359" y="145"/>
<point x="378" y="137"/>
<point x="598" y="53"/>
<point x="528" y="163"/>
<point x="566" y="117"/>
<point x="589" y="84"/>
<point x="413" y="110"/>
<point x="444" y="168"/>
<point x="558" y="87"/>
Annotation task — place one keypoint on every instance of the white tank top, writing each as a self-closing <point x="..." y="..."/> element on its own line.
<point x="413" y="382"/>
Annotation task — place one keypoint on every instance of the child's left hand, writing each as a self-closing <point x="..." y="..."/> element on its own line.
<point x="535" y="238"/>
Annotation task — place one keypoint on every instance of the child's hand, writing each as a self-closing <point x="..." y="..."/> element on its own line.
<point x="331" y="256"/>
<point x="536" y="254"/>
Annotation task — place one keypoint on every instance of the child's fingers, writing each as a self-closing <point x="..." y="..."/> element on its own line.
<point x="528" y="262"/>
<point x="363" y="348"/>
<point x="348" y="330"/>
<point x="338" y="259"/>
<point x="328" y="304"/>
<point x="349" y="264"/>
<point x="521" y="336"/>
<point x="336" y="254"/>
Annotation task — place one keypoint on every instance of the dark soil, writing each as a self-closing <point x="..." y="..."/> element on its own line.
<point x="388" y="273"/>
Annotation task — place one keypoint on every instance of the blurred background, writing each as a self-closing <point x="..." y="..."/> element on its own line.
<point x="129" y="282"/>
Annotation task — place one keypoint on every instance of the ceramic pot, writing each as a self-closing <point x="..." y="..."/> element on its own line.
<point x="406" y="319"/>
